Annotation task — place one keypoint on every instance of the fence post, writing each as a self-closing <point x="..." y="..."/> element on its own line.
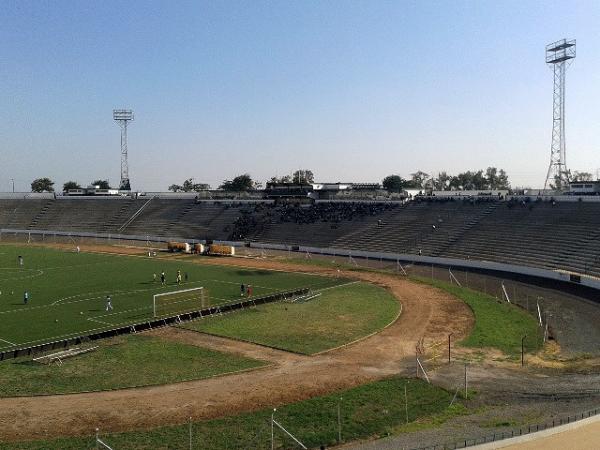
<point x="273" y="429"/>
<point x="466" y="386"/>
<point x="406" y="402"/>
<point x="339" y="411"/>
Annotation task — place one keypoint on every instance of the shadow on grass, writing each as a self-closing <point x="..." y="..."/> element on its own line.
<point x="254" y="272"/>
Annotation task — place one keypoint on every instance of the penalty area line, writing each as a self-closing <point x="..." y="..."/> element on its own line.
<point x="99" y="321"/>
<point x="338" y="285"/>
<point x="8" y="342"/>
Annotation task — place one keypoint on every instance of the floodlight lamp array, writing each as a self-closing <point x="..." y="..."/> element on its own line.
<point x="122" y="114"/>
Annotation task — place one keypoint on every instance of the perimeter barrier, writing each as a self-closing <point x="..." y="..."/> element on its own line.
<point x="151" y="324"/>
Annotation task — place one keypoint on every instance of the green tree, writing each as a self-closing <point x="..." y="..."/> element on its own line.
<point x="503" y="182"/>
<point x="478" y="180"/>
<point x="417" y="179"/>
<point x="240" y="183"/>
<point x="491" y="176"/>
<point x="442" y="182"/>
<point x="283" y="179"/>
<point x="559" y="183"/>
<point x="42" y="185"/>
<point x="463" y="181"/>
<point x="102" y="184"/>
<point x="189" y="186"/>
<point x="303" y="176"/>
<point x="71" y="185"/>
<point x="394" y="183"/>
<point x="496" y="179"/>
<point x="581" y="176"/>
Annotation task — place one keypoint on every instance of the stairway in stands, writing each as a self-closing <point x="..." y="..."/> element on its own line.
<point x="463" y="231"/>
<point x="113" y="223"/>
<point x="180" y="216"/>
<point x="40" y="215"/>
<point x="368" y="233"/>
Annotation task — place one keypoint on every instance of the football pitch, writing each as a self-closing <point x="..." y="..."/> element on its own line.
<point x="67" y="290"/>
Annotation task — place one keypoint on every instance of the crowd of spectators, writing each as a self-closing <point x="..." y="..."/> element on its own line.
<point x="472" y="200"/>
<point x="330" y="212"/>
<point x="253" y="218"/>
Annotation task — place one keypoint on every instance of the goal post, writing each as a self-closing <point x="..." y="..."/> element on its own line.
<point x="178" y="302"/>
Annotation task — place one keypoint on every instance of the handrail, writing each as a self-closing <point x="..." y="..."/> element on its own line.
<point x="135" y="215"/>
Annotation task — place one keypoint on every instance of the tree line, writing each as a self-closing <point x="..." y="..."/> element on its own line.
<point x="491" y="178"/>
<point x="45" y="184"/>
<point x="244" y="182"/>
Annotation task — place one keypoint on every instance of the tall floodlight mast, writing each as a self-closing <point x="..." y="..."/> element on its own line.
<point x="122" y="117"/>
<point x="559" y="56"/>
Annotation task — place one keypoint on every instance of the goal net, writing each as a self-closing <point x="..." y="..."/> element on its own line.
<point x="179" y="302"/>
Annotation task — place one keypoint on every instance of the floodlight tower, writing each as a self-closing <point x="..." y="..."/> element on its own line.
<point x="559" y="55"/>
<point x="122" y="117"/>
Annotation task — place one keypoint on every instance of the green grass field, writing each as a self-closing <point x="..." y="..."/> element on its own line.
<point x="340" y="315"/>
<point x="67" y="290"/>
<point x="498" y="325"/>
<point x="116" y="364"/>
<point x="368" y="411"/>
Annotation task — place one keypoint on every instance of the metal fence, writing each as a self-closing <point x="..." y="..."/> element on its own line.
<point x="520" y="431"/>
<point x="150" y="324"/>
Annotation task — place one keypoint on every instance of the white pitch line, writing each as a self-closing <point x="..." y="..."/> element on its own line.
<point x="99" y="321"/>
<point x="8" y="342"/>
<point x="338" y="285"/>
<point x="24" y="277"/>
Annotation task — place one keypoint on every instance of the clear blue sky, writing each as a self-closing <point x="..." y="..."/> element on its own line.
<point x="353" y="90"/>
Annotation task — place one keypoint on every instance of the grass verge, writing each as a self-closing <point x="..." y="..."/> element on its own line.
<point x="117" y="364"/>
<point x="340" y="315"/>
<point x="498" y="325"/>
<point x="368" y="411"/>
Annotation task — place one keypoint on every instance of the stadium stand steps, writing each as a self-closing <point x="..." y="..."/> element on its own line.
<point x="38" y="216"/>
<point x="315" y="225"/>
<point x="127" y="210"/>
<point x="371" y="231"/>
<point x="562" y="235"/>
<point x="19" y="214"/>
<point x="202" y="220"/>
<point x="441" y="247"/>
<point x="180" y="216"/>
<point x="138" y="210"/>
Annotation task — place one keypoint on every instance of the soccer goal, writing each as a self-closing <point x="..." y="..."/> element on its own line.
<point x="179" y="302"/>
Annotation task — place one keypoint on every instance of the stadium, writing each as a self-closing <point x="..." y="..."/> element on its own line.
<point x="435" y="311"/>
<point x="443" y="293"/>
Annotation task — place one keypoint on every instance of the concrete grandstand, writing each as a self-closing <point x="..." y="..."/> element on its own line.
<point x="526" y="231"/>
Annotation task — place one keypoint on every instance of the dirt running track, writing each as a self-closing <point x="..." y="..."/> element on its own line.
<point x="425" y="312"/>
